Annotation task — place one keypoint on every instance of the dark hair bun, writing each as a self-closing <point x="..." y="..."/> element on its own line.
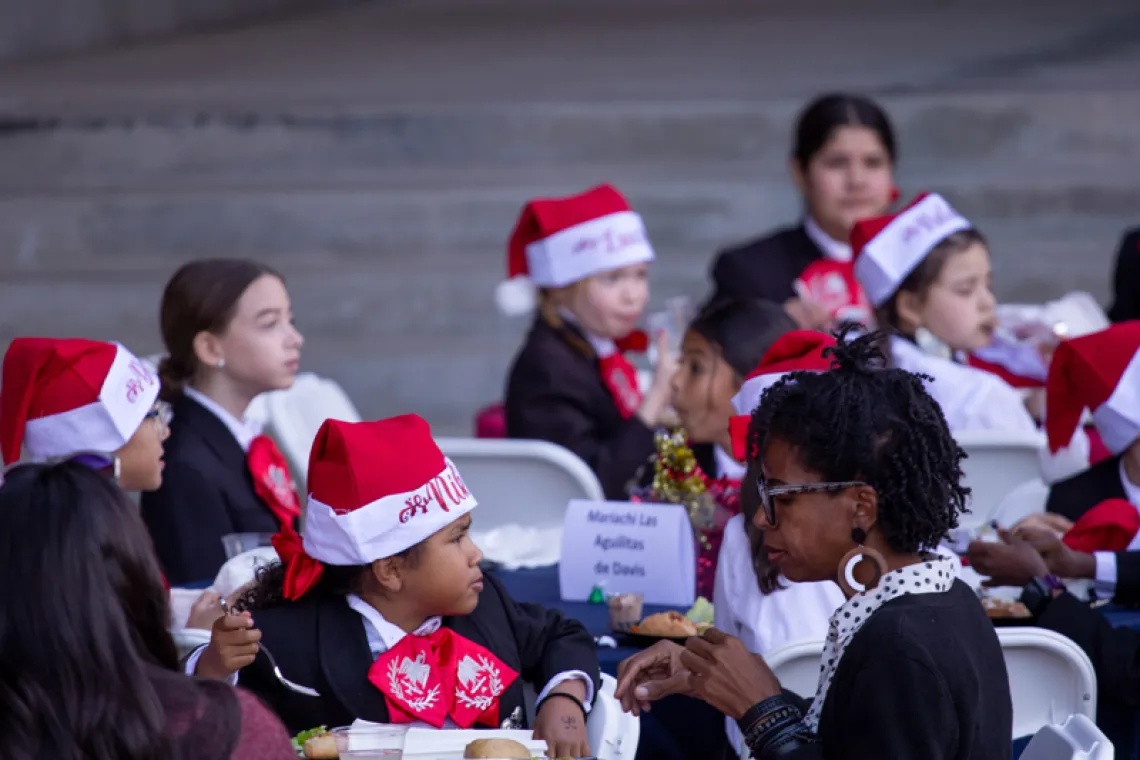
<point x="857" y="351"/>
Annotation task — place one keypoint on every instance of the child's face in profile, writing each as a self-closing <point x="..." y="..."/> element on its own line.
<point x="702" y="390"/>
<point x="960" y="309"/>
<point x="610" y="304"/>
<point x="445" y="578"/>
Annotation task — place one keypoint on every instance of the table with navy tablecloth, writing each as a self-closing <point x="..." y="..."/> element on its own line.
<point x="679" y="728"/>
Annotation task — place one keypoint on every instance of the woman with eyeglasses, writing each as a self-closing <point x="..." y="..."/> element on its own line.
<point x="856" y="472"/>
<point x="88" y="670"/>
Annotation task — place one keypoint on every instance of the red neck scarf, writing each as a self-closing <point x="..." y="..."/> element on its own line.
<point x="431" y="678"/>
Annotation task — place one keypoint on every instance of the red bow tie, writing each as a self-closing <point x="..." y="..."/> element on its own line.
<point x="432" y="677"/>
<point x="272" y="481"/>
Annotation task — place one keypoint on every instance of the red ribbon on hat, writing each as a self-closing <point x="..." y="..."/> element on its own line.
<point x="444" y="674"/>
<point x="738" y="431"/>
<point x="302" y="572"/>
<point x="1108" y="527"/>
<point x="272" y="481"/>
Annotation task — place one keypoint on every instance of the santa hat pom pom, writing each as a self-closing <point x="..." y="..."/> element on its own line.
<point x="516" y="296"/>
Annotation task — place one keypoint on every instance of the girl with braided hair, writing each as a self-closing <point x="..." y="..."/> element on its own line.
<point x="856" y="472"/>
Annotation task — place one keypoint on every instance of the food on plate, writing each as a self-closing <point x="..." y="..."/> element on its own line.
<point x="300" y="739"/>
<point x="671" y="624"/>
<point x="701" y="612"/>
<point x="500" y="749"/>
<point x="625" y="611"/>
<point x="1001" y="608"/>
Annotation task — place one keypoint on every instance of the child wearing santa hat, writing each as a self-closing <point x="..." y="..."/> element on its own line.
<point x="382" y="610"/>
<point x="92" y="401"/>
<point x="584" y="261"/>
<point x="227" y="325"/>
<point x="1098" y="510"/>
<point x="751" y="600"/>
<point x="926" y="271"/>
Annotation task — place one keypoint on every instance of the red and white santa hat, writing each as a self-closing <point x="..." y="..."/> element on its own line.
<point x="378" y="488"/>
<point x="796" y="351"/>
<point x="1099" y="372"/>
<point x="888" y="248"/>
<point x="59" y="396"/>
<point x="559" y="241"/>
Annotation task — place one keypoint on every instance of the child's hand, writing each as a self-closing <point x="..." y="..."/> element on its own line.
<point x="655" y="405"/>
<point x="233" y="645"/>
<point x="205" y="611"/>
<point x="561" y="723"/>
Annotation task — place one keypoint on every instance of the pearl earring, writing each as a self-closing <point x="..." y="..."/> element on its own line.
<point x="221" y="363"/>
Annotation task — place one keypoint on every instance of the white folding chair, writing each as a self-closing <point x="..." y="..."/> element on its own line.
<point x="522" y="488"/>
<point x="613" y="733"/>
<point x="796" y="666"/>
<point x="1077" y="738"/>
<point x="295" y="415"/>
<point x="1050" y="678"/>
<point x="998" y="462"/>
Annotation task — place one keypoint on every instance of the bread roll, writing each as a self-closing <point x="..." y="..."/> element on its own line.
<point x="672" y="624"/>
<point x="321" y="747"/>
<point x="500" y="749"/>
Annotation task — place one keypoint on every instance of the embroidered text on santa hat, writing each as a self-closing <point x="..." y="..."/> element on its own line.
<point x="60" y="396"/>
<point x="1099" y="372"/>
<point x="375" y="489"/>
<point x="888" y="248"/>
<point x="559" y="241"/>
<point x="797" y="351"/>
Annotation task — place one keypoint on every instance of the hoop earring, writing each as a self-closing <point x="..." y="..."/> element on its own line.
<point x="853" y="558"/>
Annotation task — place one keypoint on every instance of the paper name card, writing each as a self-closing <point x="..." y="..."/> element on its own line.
<point x="628" y="548"/>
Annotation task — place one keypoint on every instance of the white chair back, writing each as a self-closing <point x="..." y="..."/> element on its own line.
<point x="1077" y="738"/>
<point x="295" y="415"/>
<point x="796" y="666"/>
<point x="1050" y="678"/>
<point x="522" y="488"/>
<point x="1027" y="499"/>
<point x="998" y="462"/>
<point x="613" y="733"/>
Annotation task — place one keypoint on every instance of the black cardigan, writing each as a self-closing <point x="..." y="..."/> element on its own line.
<point x="923" y="678"/>
<point x="764" y="268"/>
<point x="207" y="491"/>
<point x="555" y="393"/>
<point x="320" y="642"/>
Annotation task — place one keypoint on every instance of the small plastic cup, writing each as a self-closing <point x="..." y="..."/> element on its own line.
<point x="370" y="742"/>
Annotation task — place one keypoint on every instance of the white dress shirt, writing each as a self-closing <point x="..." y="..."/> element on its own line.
<point x="726" y="466"/>
<point x="244" y="431"/>
<point x="836" y="250"/>
<point x="382" y="636"/>
<point x="1105" y="584"/>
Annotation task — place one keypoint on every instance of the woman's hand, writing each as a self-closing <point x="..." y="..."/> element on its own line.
<point x="1061" y="560"/>
<point x="723" y="673"/>
<point x="808" y="314"/>
<point x="562" y="725"/>
<point x="233" y="645"/>
<point x="655" y="405"/>
<point x="649" y="675"/>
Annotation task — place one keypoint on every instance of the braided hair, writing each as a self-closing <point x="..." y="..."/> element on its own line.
<point x="864" y="421"/>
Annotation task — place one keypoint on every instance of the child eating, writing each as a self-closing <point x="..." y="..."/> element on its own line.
<point x="382" y="609"/>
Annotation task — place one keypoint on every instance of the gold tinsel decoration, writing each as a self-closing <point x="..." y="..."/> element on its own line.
<point x="677" y="479"/>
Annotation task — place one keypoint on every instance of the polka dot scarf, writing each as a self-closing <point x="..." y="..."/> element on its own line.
<point x="933" y="576"/>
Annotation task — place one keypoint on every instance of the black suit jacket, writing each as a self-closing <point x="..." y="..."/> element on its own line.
<point x="1115" y="652"/>
<point x="923" y="678"/>
<point x="556" y="393"/>
<point x="320" y="642"/>
<point x="207" y="492"/>
<point x="764" y="268"/>
<point x="1074" y="496"/>
<point x="1126" y="279"/>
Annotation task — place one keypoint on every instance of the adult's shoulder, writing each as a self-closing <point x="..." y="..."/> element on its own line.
<point x="779" y="239"/>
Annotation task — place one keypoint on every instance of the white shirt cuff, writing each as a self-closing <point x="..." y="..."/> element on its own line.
<point x="563" y="677"/>
<point x="1105" y="578"/>
<point x="192" y="665"/>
